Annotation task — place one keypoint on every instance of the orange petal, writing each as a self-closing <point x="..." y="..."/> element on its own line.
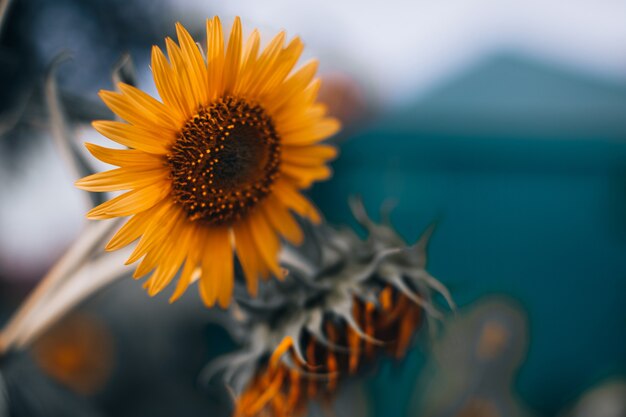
<point x="272" y="390"/>
<point x="354" y="341"/>
<point x="280" y="350"/>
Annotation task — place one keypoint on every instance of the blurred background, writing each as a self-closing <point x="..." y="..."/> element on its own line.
<point x="503" y="121"/>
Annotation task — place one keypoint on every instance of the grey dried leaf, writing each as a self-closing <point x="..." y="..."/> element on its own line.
<point x="124" y="71"/>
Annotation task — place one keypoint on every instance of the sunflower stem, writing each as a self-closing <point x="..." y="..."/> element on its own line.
<point x="88" y="279"/>
<point x="4" y="11"/>
<point x="62" y="134"/>
<point x="33" y="309"/>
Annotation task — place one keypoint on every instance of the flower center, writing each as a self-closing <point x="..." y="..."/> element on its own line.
<point x="224" y="161"/>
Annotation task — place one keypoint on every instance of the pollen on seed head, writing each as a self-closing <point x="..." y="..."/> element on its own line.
<point x="238" y="162"/>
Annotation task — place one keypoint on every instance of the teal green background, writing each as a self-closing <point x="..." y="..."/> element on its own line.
<point x="523" y="166"/>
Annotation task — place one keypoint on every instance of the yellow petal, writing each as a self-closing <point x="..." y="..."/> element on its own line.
<point x="159" y="248"/>
<point x="196" y="64"/>
<point x="232" y="61"/>
<point x="153" y="258"/>
<point x="285" y="62"/>
<point x="298" y="104"/>
<point x="307" y="117"/>
<point x="215" y="56"/>
<point x="206" y="286"/>
<point x="164" y="274"/>
<point x="265" y="64"/>
<point x="266" y="241"/>
<point x="320" y="131"/>
<point x="184" y="280"/>
<point x="135" y="137"/>
<point x="304" y="176"/>
<point x="158" y="114"/>
<point x="308" y="155"/>
<point x="294" y="85"/>
<point x="167" y="85"/>
<point x="248" y="257"/>
<point x="130" y="111"/>
<point x="180" y="71"/>
<point x="171" y="262"/>
<point x="189" y="270"/>
<point x="158" y="229"/>
<point x="129" y="203"/>
<point x="123" y="179"/>
<point x="294" y="200"/>
<point x="251" y="52"/>
<point x="133" y="228"/>
<point x="218" y="274"/>
<point x="124" y="157"/>
<point x="280" y="218"/>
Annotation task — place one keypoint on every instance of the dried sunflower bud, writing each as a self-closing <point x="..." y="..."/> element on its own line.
<point x="344" y="301"/>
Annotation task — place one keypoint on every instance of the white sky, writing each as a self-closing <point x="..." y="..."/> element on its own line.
<point x="403" y="47"/>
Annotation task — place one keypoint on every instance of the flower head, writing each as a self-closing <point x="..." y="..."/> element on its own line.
<point x="215" y="167"/>
<point x="343" y="304"/>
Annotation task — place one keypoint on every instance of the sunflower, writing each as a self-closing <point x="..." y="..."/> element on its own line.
<point x="216" y="167"/>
